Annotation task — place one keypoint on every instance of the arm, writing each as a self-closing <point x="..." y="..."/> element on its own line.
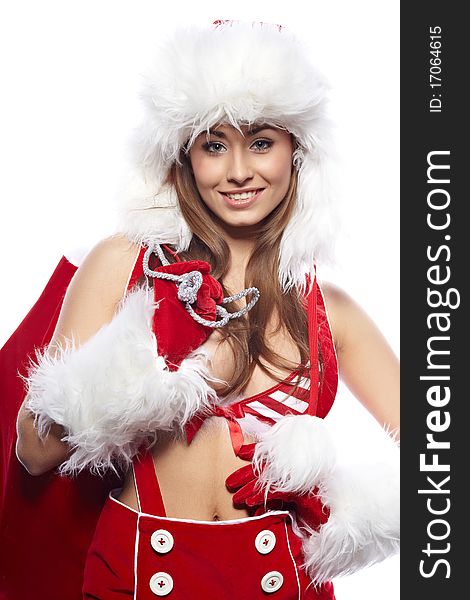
<point x="90" y="302"/>
<point x="367" y="363"/>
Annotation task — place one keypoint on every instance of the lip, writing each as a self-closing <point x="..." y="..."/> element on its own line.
<point x="239" y="191"/>
<point x="241" y="203"/>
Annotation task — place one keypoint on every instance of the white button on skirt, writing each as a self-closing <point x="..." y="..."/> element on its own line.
<point x="272" y="582"/>
<point x="265" y="541"/>
<point x="162" y="541"/>
<point x="161" y="584"/>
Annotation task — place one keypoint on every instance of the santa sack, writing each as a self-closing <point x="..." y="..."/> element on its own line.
<point x="47" y="521"/>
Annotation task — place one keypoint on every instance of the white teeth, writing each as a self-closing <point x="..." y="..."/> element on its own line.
<point x="243" y="196"/>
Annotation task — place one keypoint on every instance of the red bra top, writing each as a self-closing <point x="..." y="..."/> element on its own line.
<point x="269" y="406"/>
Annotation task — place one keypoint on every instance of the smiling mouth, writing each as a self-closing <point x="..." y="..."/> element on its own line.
<point x="242" y="198"/>
<point x="243" y="195"/>
<point x="241" y="201"/>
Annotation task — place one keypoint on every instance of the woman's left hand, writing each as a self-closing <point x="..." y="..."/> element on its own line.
<point x="249" y="492"/>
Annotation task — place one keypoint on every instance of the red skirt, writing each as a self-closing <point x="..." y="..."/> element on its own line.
<point x="138" y="554"/>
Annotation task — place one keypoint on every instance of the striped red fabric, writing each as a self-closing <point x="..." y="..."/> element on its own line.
<point x="279" y="400"/>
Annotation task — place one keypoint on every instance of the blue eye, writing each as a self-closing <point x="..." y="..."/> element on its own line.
<point x="213" y="147"/>
<point x="219" y="148"/>
<point x="262" y="145"/>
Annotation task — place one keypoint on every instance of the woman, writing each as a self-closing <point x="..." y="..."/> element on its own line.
<point x="206" y="379"/>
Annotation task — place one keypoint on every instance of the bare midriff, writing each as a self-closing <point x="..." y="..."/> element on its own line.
<point x="192" y="477"/>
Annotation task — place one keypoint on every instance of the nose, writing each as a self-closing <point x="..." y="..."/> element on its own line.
<point x="239" y="168"/>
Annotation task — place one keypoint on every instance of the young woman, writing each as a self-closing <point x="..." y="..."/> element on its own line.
<point x="196" y="356"/>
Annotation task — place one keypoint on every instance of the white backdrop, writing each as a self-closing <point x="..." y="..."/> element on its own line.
<point x="70" y="75"/>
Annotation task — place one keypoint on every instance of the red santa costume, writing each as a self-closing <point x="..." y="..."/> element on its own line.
<point x="143" y="373"/>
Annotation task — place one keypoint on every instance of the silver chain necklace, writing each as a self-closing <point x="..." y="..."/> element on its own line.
<point x="188" y="286"/>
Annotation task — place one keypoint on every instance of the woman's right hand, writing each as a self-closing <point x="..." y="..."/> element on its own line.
<point x="38" y="455"/>
<point x="177" y="332"/>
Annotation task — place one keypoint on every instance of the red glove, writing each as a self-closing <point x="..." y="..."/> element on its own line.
<point x="177" y="332"/>
<point x="249" y="492"/>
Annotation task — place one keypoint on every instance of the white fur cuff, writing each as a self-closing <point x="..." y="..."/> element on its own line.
<point x="364" y="524"/>
<point x="297" y="454"/>
<point x="114" y="392"/>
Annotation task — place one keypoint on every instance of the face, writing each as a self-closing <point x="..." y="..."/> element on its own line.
<point x="242" y="178"/>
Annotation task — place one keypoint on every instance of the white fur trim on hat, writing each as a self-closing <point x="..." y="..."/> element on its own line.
<point x="237" y="73"/>
<point x="115" y="391"/>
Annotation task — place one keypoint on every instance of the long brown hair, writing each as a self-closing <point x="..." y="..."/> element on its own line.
<point x="246" y="335"/>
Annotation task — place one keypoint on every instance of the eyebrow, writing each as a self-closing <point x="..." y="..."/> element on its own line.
<point x="250" y="132"/>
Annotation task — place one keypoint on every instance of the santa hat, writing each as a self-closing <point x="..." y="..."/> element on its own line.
<point x="234" y="73"/>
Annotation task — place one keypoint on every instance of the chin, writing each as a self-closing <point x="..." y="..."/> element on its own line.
<point x="242" y="220"/>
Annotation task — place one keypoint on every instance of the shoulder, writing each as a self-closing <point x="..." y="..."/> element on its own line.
<point x="97" y="288"/>
<point x="109" y="263"/>
<point x="111" y="251"/>
<point x="343" y="312"/>
<point x="350" y="323"/>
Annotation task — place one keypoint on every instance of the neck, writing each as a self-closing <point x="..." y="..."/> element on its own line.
<point x="241" y="242"/>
